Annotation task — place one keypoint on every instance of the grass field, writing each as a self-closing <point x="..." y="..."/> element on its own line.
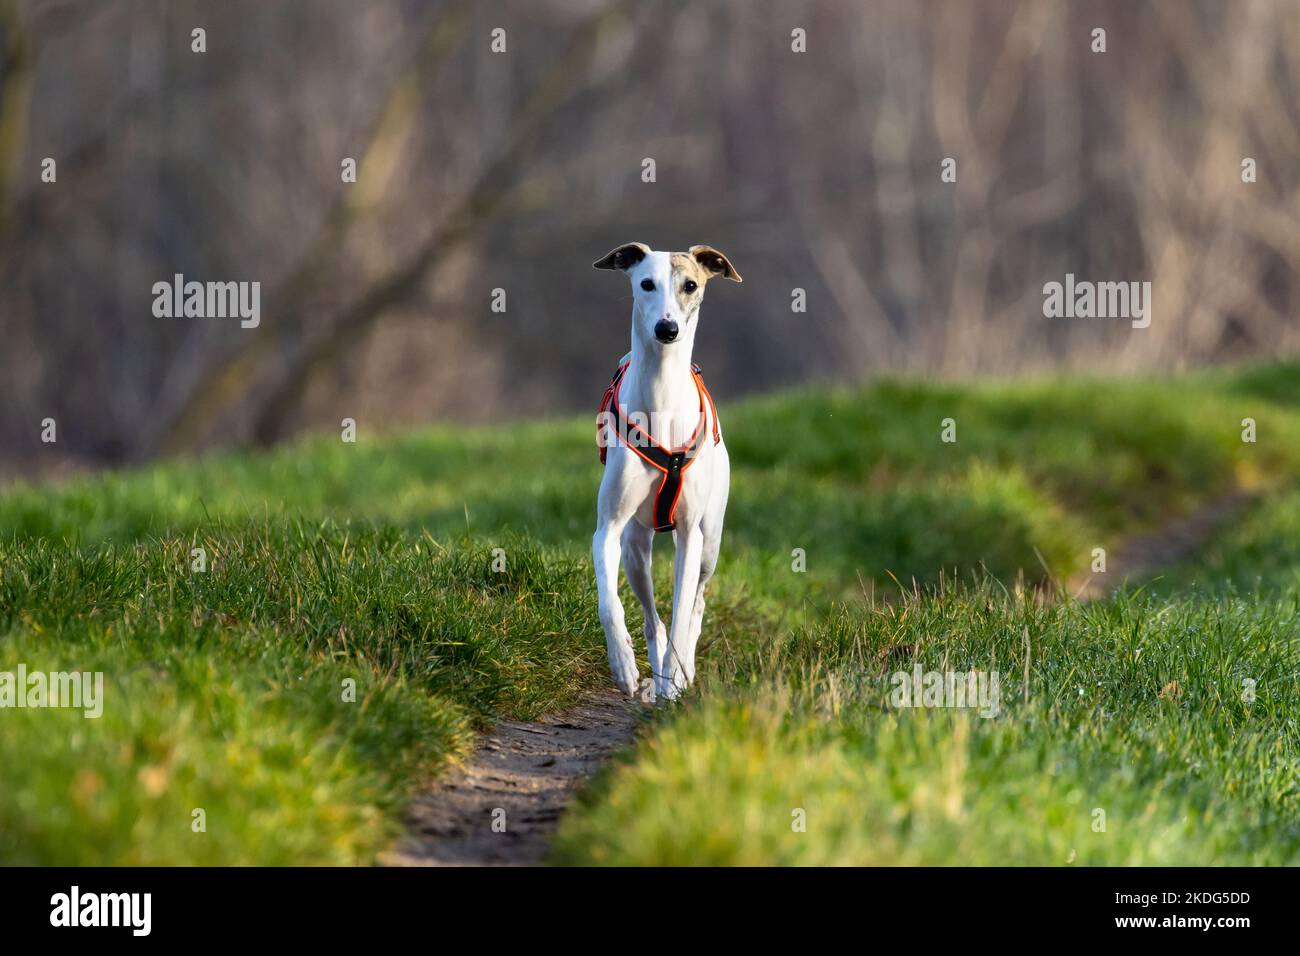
<point x="1135" y="708"/>
<point x="445" y="571"/>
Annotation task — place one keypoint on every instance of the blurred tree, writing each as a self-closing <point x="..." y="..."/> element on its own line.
<point x="822" y="171"/>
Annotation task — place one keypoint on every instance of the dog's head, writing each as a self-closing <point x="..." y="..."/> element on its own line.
<point x="667" y="287"/>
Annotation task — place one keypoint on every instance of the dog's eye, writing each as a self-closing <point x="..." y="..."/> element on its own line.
<point x="690" y="285"/>
<point x="648" y="284"/>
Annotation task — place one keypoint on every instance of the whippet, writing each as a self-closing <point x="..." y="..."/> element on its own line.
<point x="666" y="467"/>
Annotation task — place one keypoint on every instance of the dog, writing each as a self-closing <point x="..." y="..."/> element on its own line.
<point x="666" y="466"/>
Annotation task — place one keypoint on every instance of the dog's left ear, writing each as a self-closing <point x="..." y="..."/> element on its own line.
<point x="714" y="262"/>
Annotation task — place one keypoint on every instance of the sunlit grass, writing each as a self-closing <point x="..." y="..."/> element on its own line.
<point x="375" y="562"/>
<point x="1151" y="732"/>
<point x="228" y="691"/>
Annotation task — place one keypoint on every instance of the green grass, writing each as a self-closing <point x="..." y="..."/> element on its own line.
<point x="225" y="690"/>
<point x="375" y="562"/>
<point x="857" y="475"/>
<point x="1160" y="726"/>
<point x="1135" y="709"/>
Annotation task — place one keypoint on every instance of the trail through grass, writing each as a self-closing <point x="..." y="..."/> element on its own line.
<point x="446" y="572"/>
<point x="293" y="692"/>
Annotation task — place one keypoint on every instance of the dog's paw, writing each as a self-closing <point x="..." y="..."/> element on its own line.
<point x="668" y="689"/>
<point x="627" y="680"/>
<point x="628" y="688"/>
<point x="622" y="665"/>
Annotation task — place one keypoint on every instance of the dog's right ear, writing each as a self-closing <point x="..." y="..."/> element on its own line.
<point x="624" y="257"/>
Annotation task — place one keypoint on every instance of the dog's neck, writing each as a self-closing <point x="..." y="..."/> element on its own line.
<point x="659" y="384"/>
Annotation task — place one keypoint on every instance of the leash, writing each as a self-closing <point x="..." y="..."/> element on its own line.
<point x="672" y="464"/>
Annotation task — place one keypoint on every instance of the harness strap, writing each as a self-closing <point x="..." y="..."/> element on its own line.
<point x="671" y="463"/>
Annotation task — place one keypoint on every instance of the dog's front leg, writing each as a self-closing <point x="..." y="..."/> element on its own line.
<point x="686" y="579"/>
<point x="618" y="642"/>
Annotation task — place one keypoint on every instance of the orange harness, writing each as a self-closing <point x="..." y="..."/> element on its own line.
<point x="672" y="464"/>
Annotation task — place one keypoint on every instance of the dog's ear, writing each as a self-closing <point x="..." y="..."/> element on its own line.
<point x="624" y="257"/>
<point x="715" y="263"/>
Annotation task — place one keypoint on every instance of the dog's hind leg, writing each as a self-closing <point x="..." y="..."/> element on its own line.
<point x="638" y="541"/>
<point x="686" y="580"/>
<point x="708" y="561"/>
<point x="711" y="528"/>
<point x="618" y="642"/>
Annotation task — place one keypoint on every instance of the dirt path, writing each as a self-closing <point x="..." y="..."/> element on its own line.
<point x="1147" y="554"/>
<point x="531" y="770"/>
<point x="528" y="769"/>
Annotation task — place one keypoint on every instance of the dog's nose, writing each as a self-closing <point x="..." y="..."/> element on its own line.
<point x="666" y="330"/>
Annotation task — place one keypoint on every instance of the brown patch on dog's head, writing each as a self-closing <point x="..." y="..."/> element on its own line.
<point x="691" y="270"/>
<point x="688" y="281"/>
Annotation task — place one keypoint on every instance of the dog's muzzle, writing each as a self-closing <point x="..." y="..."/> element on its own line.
<point x="666" y="330"/>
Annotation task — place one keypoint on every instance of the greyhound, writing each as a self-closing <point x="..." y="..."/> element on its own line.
<point x="666" y="465"/>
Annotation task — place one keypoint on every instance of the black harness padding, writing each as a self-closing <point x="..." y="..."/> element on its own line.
<point x="673" y="464"/>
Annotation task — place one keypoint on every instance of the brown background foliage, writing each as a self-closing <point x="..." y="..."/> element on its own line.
<point x="481" y="170"/>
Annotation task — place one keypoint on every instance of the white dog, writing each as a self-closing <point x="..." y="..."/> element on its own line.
<point x="666" y="468"/>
